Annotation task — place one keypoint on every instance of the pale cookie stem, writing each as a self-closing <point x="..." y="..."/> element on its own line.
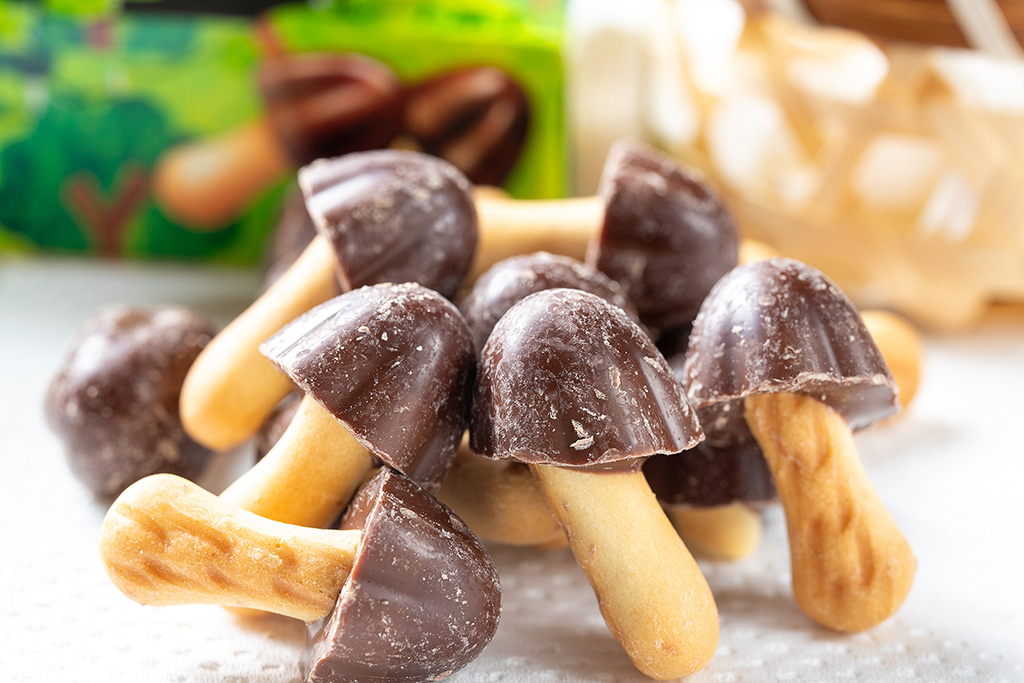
<point x="510" y="227"/>
<point x="651" y="592"/>
<point x="309" y="475"/>
<point x="722" y="532"/>
<point x="232" y="388"/>
<point x="500" y="501"/>
<point x="166" y="541"/>
<point x="207" y="184"/>
<point x="852" y="568"/>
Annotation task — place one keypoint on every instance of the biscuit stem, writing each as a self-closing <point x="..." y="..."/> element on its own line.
<point x="309" y="475"/>
<point x="721" y="532"/>
<point x="500" y="501"/>
<point x="852" y="568"/>
<point x="231" y="388"/>
<point x="166" y="541"/>
<point x="651" y="592"/>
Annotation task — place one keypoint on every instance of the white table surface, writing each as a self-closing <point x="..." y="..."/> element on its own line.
<point x="950" y="471"/>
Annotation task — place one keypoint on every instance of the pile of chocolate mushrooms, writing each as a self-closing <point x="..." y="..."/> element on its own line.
<point x="620" y="363"/>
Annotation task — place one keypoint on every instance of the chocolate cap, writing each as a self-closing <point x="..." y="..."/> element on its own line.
<point x="393" y="364"/>
<point x="779" y="325"/>
<point x="476" y="118"/>
<point x="394" y="216"/>
<point x="666" y="237"/>
<point x="706" y="476"/>
<point x="423" y="598"/>
<point x="568" y="379"/>
<point x="513" y="279"/>
<point x="114" y="402"/>
<point x="326" y="105"/>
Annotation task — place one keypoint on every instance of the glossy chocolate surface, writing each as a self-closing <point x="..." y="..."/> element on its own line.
<point x="476" y="118"/>
<point x="780" y="325"/>
<point x="666" y="237"/>
<point x="568" y="379"/>
<point x="513" y="279"/>
<point x="326" y="105"/>
<point x="394" y="216"/>
<point x="391" y="362"/>
<point x="423" y="598"/>
<point x="114" y="402"/>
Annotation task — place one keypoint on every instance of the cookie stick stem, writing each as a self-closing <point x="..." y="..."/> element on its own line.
<point x="166" y="541"/>
<point x="509" y="227"/>
<point x="852" y="567"/>
<point x="309" y="475"/>
<point x="663" y="614"/>
<point x="723" y="532"/>
<point x="232" y="388"/>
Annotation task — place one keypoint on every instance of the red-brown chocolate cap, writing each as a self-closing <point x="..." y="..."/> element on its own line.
<point x="514" y="279"/>
<point x="325" y="105"/>
<point x="666" y="237"/>
<point x="423" y="598"/>
<point x="779" y="325"/>
<point x="393" y="364"/>
<point x="568" y="379"/>
<point x="476" y="118"/>
<point x="394" y="216"/>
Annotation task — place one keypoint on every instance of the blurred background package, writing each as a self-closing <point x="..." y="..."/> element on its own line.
<point x="173" y="128"/>
<point x="890" y="156"/>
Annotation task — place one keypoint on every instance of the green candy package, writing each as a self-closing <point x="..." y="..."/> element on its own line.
<point x="173" y="128"/>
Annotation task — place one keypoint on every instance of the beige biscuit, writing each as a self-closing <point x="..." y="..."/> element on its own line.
<point x="166" y="541"/>
<point x="651" y="593"/>
<point x="722" y="532"/>
<point x="852" y="568"/>
<point x="500" y="501"/>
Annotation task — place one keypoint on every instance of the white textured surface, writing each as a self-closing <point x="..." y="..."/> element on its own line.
<point x="950" y="471"/>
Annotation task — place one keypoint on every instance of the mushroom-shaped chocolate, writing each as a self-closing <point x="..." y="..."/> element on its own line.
<point x="655" y="228"/>
<point x="569" y="384"/>
<point x="476" y="118"/>
<point x="114" y="402"/>
<point x="385" y="216"/>
<point x="515" y="278"/>
<point x="317" y="106"/>
<point x="386" y="372"/>
<point x="408" y="595"/>
<point x="777" y="341"/>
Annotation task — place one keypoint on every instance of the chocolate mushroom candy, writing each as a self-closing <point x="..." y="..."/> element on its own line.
<point x="778" y="341"/>
<point x="386" y="372"/>
<point x="476" y="118"/>
<point x="384" y="216"/>
<point x="317" y="105"/>
<point x="114" y="402"/>
<point x="515" y="278"/>
<point x="570" y="385"/>
<point x="410" y="595"/>
<point x="656" y="228"/>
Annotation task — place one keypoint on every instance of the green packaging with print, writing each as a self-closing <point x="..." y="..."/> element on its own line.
<point x="148" y="129"/>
